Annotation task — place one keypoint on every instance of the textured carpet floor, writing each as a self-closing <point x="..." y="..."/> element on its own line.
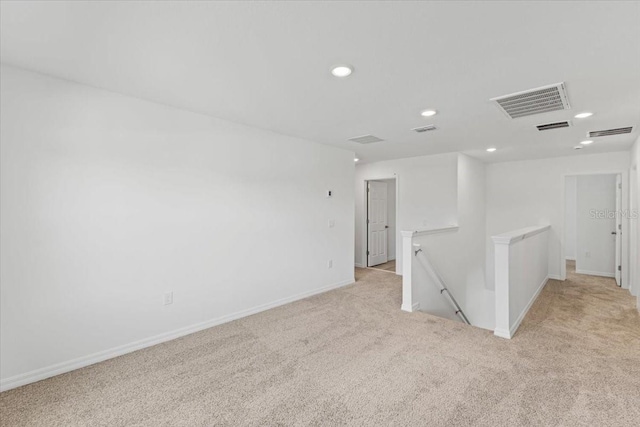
<point x="351" y="357"/>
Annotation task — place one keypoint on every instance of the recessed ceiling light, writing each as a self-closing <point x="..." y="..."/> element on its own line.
<point x="583" y="115"/>
<point x="578" y="147"/>
<point x="491" y="150"/>
<point x="587" y="142"/>
<point x="356" y="159"/>
<point x="428" y="113"/>
<point x="342" y="70"/>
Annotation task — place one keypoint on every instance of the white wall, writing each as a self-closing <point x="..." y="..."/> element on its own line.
<point x="596" y="253"/>
<point x="436" y="191"/>
<point x="426" y="289"/>
<point x="110" y="201"/>
<point x="635" y="235"/>
<point x="527" y="273"/>
<point x="521" y="271"/>
<point x="571" y="205"/>
<point x="633" y="229"/>
<point x="427" y="195"/>
<point x="470" y="250"/>
<point x="392" y="232"/>
<point x="527" y="193"/>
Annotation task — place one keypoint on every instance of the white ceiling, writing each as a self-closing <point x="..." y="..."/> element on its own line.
<point x="267" y="65"/>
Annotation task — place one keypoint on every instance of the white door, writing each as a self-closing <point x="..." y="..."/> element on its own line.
<point x="376" y="223"/>
<point x="618" y="230"/>
<point x="596" y="236"/>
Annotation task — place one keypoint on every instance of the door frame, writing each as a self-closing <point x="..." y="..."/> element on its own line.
<point x="624" y="256"/>
<point x="634" y="247"/>
<point x="619" y="277"/>
<point x="372" y="188"/>
<point x="365" y="213"/>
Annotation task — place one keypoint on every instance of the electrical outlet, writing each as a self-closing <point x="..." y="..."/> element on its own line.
<point x="168" y="298"/>
<point x="332" y="223"/>
<point x="330" y="263"/>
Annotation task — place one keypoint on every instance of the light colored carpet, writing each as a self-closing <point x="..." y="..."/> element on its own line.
<point x="351" y="357"/>
<point x="387" y="266"/>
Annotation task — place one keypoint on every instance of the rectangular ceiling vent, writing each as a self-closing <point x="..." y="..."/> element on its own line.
<point x="534" y="101"/>
<point x="608" y="132"/>
<point x="365" y="139"/>
<point x="556" y="125"/>
<point x="424" y="128"/>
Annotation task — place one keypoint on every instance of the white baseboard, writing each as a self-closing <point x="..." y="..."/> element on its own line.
<point x="555" y="277"/>
<point x="81" y="362"/>
<point x="502" y="333"/>
<point x="570" y="259"/>
<point x="533" y="299"/>
<point x="358" y="265"/>
<point x="595" y="273"/>
<point x="512" y="330"/>
<point x="414" y="307"/>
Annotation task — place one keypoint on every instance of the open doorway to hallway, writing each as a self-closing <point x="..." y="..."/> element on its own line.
<point x="593" y="225"/>
<point x="381" y="235"/>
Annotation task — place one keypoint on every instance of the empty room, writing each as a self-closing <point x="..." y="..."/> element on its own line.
<point x="335" y="213"/>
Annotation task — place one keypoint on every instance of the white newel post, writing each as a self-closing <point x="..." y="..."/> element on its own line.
<point x="503" y="325"/>
<point x="407" y="266"/>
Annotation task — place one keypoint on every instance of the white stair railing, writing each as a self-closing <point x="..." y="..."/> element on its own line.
<point x="426" y="263"/>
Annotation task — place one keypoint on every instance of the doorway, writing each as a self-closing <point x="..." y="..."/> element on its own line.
<point x="634" y="233"/>
<point x="381" y="234"/>
<point x="593" y="225"/>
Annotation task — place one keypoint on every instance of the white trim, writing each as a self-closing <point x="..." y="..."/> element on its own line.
<point x="633" y="232"/>
<point x="413" y="233"/>
<point x="414" y="307"/>
<point x="81" y="362"/>
<point x="624" y="256"/>
<point x="512" y="330"/>
<point x="502" y="333"/>
<point x="382" y="270"/>
<point x="365" y="234"/>
<point x="358" y="265"/>
<point x="595" y="273"/>
<point x="556" y="277"/>
<point x="533" y="299"/>
<point x="570" y="258"/>
<point x="517" y="235"/>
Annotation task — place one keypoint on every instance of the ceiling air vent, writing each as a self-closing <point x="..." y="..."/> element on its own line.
<point x="424" y="128"/>
<point x="609" y="132"/>
<point x="556" y="125"/>
<point x="534" y="101"/>
<point x="365" y="139"/>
